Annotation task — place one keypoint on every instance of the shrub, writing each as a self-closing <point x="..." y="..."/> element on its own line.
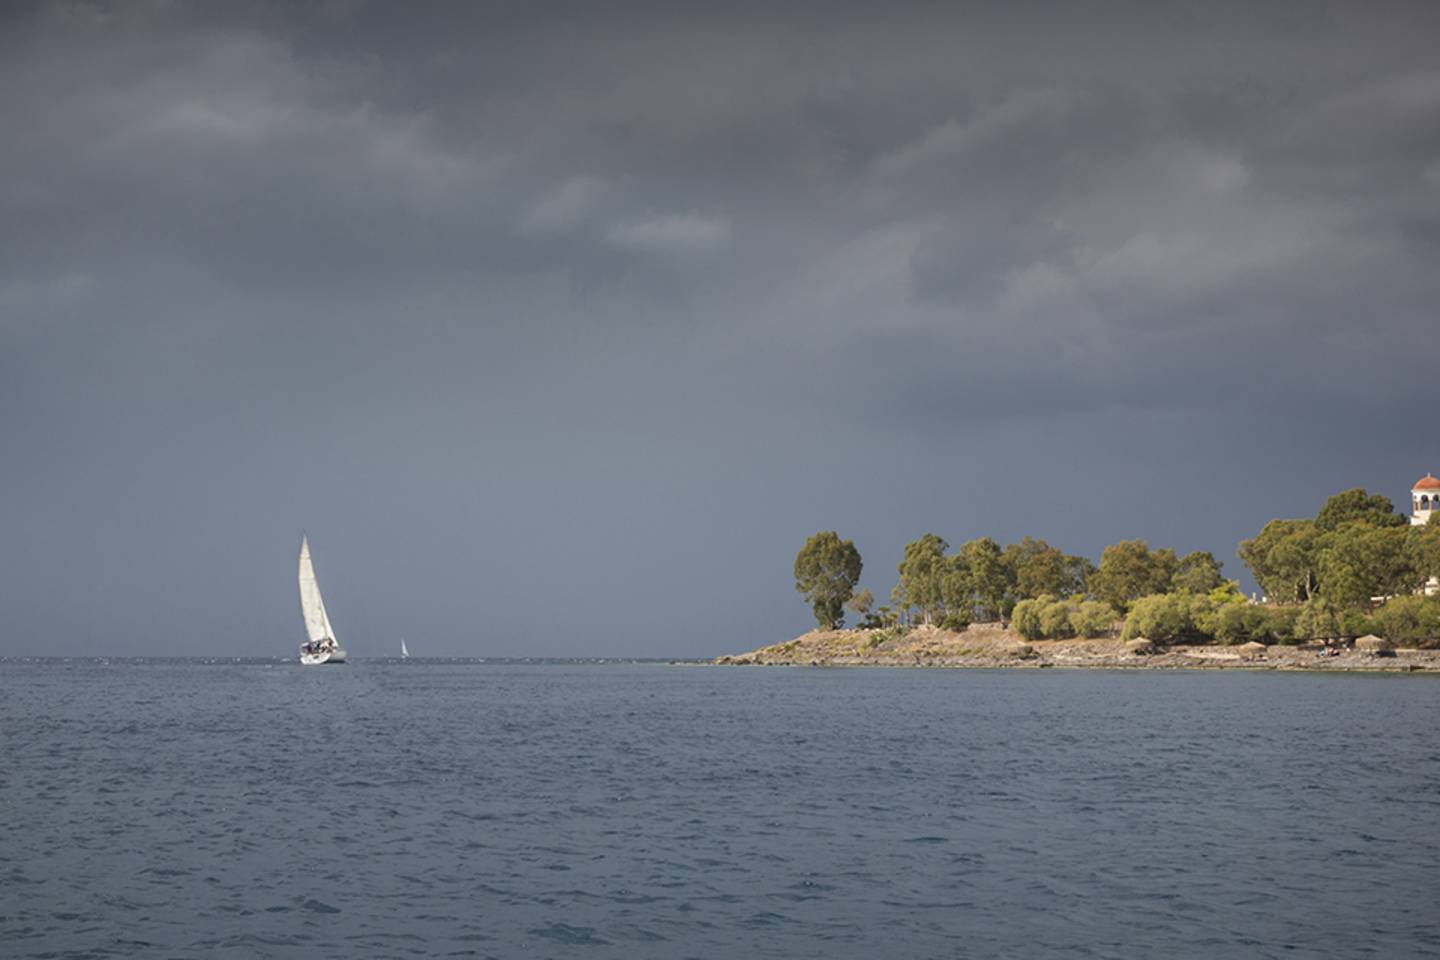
<point x="1025" y="618"/>
<point x="1409" y="621"/>
<point x="1280" y="623"/>
<point x="1233" y="623"/>
<point x="1356" y="623"/>
<point x="1161" y="617"/>
<point x="1318" y="620"/>
<point x="956" y="621"/>
<point x="1055" y="620"/>
<point x="1091" y="618"/>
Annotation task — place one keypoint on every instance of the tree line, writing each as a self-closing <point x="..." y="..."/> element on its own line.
<point x="1357" y="567"/>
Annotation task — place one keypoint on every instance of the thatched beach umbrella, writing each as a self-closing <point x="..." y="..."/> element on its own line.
<point x="1020" y="651"/>
<point x="1375" y="646"/>
<point x="1252" y="651"/>
<point x="1140" y="647"/>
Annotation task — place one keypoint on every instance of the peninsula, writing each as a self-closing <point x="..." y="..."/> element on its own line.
<point x="990" y="646"/>
<point x="1356" y="587"/>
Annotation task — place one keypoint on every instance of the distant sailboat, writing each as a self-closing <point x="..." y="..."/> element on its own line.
<point x="322" y="647"/>
<point x="404" y="651"/>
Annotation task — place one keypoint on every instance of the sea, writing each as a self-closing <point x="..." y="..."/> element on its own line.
<point x="444" y="808"/>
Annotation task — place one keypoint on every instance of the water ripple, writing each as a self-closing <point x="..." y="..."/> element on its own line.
<point x="239" y="808"/>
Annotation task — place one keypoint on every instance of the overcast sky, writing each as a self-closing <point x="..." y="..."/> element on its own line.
<point x="560" y="326"/>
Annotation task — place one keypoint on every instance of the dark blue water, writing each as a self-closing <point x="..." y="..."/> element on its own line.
<point x="183" y="809"/>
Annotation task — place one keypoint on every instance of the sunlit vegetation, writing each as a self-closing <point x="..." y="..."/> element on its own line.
<point x="1358" y="567"/>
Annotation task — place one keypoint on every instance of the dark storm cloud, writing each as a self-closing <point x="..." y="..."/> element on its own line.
<point x="563" y="293"/>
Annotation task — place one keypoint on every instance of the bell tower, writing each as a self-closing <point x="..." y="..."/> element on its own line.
<point x="1424" y="500"/>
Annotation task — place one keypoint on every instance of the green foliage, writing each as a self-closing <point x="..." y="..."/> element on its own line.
<point x="1409" y="621"/>
<point x="956" y="591"/>
<point x="881" y="637"/>
<point x="1424" y="550"/>
<point x="1233" y="623"/>
<point x="1130" y="570"/>
<point x="1220" y="616"/>
<point x="1322" y="620"/>
<point x="882" y="618"/>
<point x="1223" y="615"/>
<point x="1319" y="620"/>
<point x="1036" y="569"/>
<point x="1025" y="618"/>
<point x="1055" y="621"/>
<point x="956" y="621"/>
<point x="1281" y="558"/>
<point x="1357" y="623"/>
<point x="1355" y="549"/>
<point x="922" y="572"/>
<point x="1197" y="573"/>
<point x="826" y="571"/>
<point x="861" y="603"/>
<point x="1091" y="618"/>
<point x="1049" y="618"/>
<point x="1358" y="561"/>
<point x="1357" y="505"/>
<point x="1161" y="617"/>
<point x="989" y="577"/>
<point x="1280" y="624"/>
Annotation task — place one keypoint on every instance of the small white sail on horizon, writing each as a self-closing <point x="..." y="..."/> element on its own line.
<point x="404" y="651"/>
<point x="323" y="646"/>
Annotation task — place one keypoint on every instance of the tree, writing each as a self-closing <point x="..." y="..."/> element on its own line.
<point x="989" y="576"/>
<point x="1409" y="621"/>
<point x="957" y="592"/>
<point x="1353" y="505"/>
<point x="1162" y="617"/>
<point x="1039" y="568"/>
<point x="1025" y="618"/>
<point x="1078" y="571"/>
<point x="1359" y="562"/>
<point x="862" y="603"/>
<point x="1319" y="620"/>
<point x="1055" y="621"/>
<point x="1424" y="549"/>
<point x="1282" y="559"/>
<point x="826" y="571"/>
<point x="1197" y="573"/>
<point x="1092" y="618"/>
<point x="921" y="573"/>
<point x="1130" y="570"/>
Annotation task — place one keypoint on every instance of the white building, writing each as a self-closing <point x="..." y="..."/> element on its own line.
<point x="1424" y="500"/>
<point x="1424" y="504"/>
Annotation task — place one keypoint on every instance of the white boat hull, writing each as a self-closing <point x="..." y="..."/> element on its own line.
<point x="330" y="656"/>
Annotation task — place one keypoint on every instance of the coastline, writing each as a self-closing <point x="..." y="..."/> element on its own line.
<point x="989" y="646"/>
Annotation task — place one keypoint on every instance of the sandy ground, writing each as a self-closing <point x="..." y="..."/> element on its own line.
<point x="990" y="645"/>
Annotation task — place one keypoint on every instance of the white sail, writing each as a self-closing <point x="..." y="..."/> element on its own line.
<point x="312" y="606"/>
<point x="404" y="652"/>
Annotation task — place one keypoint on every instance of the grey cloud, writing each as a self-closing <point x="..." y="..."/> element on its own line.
<point x="565" y="293"/>
<point x="683" y="233"/>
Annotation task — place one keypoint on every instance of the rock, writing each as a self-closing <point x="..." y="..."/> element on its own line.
<point x="1251" y="651"/>
<point x="1140" y="647"/>
<point x="1375" y="646"/>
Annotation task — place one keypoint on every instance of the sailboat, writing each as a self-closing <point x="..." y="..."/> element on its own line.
<point x="404" y="651"/>
<point x="322" y="647"/>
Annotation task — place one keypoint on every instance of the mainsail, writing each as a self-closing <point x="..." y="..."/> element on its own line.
<point x="404" y="651"/>
<point x="312" y="606"/>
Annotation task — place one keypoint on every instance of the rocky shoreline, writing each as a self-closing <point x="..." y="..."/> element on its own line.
<point x="992" y="646"/>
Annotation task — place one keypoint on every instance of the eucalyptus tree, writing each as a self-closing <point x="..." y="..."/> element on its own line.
<point x="1130" y="570"/>
<point x="990" y="578"/>
<point x="826" y="571"/>
<point x="922" y="575"/>
<point x="1197" y="572"/>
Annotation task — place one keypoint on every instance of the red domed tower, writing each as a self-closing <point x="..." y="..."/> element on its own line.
<point x="1424" y="499"/>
